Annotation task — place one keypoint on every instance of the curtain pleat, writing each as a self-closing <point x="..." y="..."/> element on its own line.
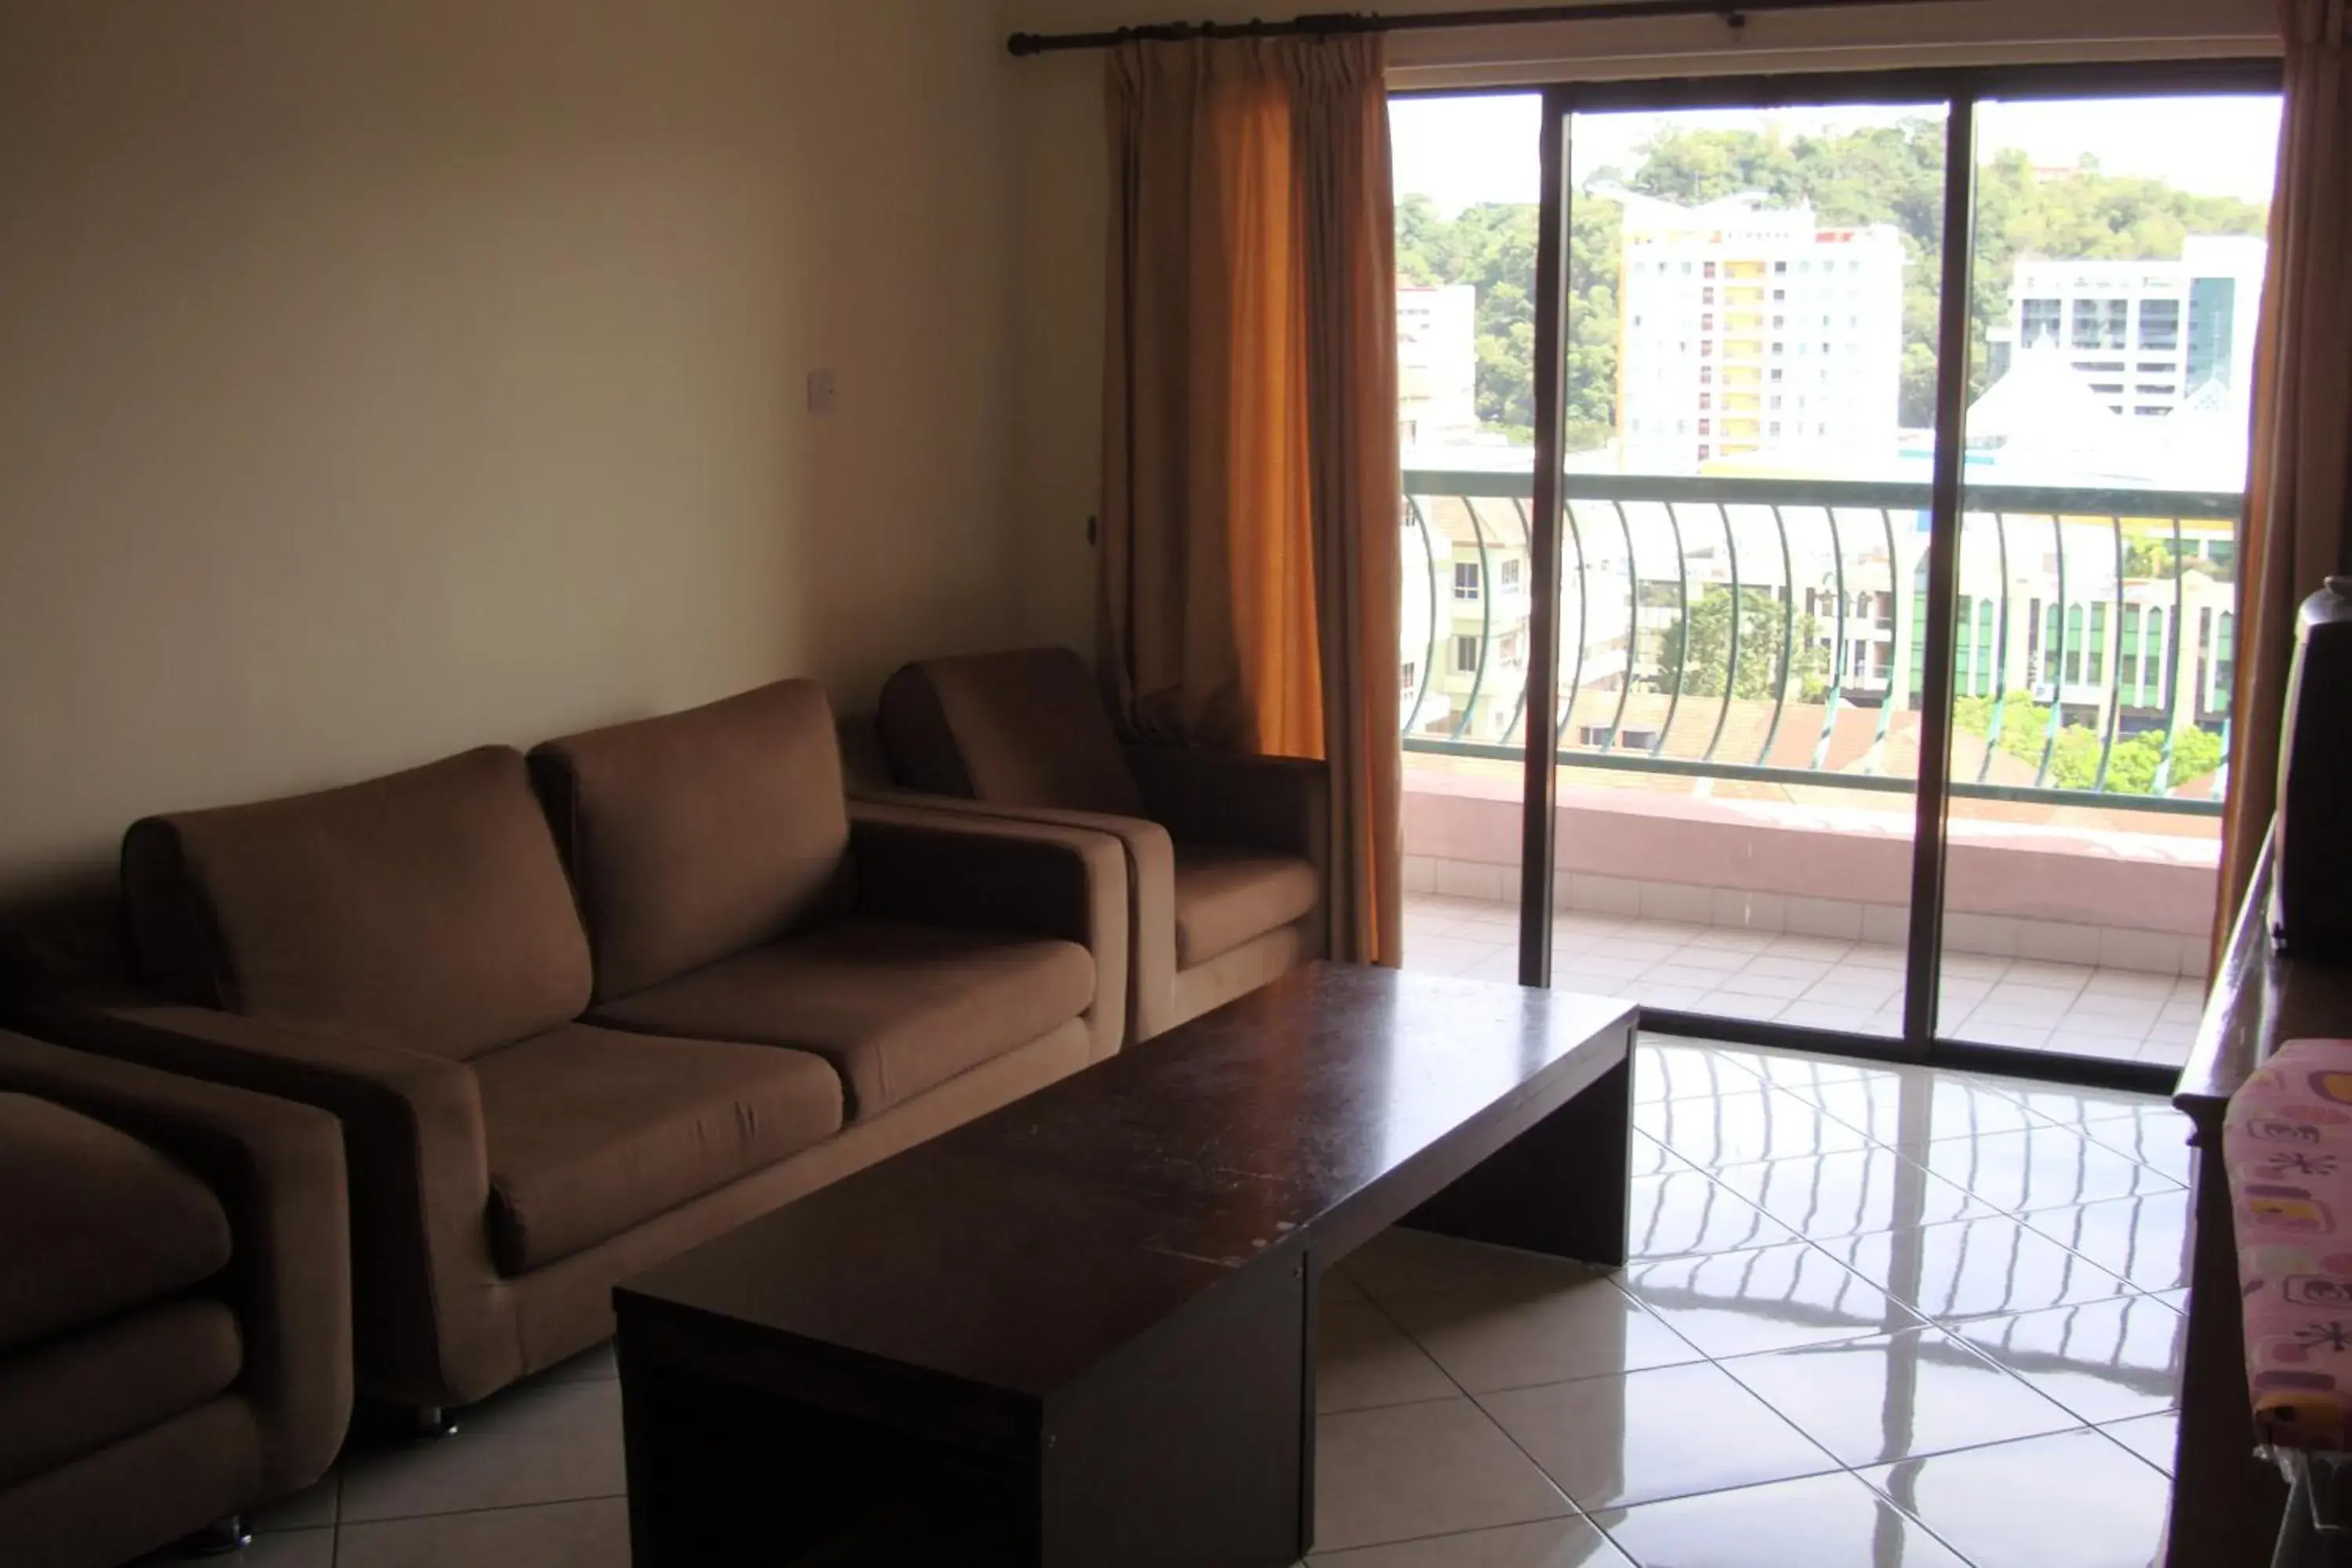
<point x="2301" y="472"/>
<point x="1249" y="548"/>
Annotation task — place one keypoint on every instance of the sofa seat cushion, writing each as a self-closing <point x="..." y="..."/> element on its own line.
<point x="592" y="1131"/>
<point x="896" y="1009"/>
<point x="75" y="1393"/>
<point x="94" y="1221"/>
<point x="1227" y="897"/>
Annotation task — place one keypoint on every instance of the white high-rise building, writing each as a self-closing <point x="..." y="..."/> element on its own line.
<point x="2147" y="336"/>
<point x="1747" y="330"/>
<point x="1437" y="364"/>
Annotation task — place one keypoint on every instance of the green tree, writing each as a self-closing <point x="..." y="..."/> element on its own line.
<point x="1763" y="624"/>
<point x="2132" y="767"/>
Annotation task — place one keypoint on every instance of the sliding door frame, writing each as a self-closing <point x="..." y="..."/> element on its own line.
<point x="1958" y="91"/>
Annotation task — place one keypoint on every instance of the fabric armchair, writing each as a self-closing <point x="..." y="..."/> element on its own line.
<point x="1225" y="854"/>
<point x="200" y="1232"/>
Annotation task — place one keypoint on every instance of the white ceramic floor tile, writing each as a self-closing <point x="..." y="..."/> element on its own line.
<point x="2156" y="1438"/>
<point x="1897" y="1396"/>
<point x="2039" y="1168"/>
<point x="1364" y="1360"/>
<point x="1554" y="1543"/>
<point x="1401" y="1261"/>
<point x="1822" y="1521"/>
<point x="1412" y="1470"/>
<point x="1974" y="1268"/>
<point x="1832" y="1195"/>
<point x="1736" y="1129"/>
<point x="2104" y="1361"/>
<point x="554" y="1443"/>
<point x="1517" y="1332"/>
<point x="1735" y="1303"/>
<point x="2076" y="1499"/>
<point x="1684" y="1211"/>
<point x="1612" y="1442"/>
<point x="2146" y="1239"/>
<point x="592" y="1534"/>
<point x="308" y="1548"/>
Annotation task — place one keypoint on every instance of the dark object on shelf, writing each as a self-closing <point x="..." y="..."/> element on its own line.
<point x="2311" y="916"/>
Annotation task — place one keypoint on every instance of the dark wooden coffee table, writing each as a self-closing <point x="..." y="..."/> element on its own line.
<point x="1079" y="1332"/>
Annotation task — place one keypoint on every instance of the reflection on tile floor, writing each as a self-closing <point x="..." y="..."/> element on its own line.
<point x="2114" y="1015"/>
<point x="1874" y="1317"/>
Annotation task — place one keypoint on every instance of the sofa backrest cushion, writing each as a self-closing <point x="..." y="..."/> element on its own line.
<point x="424" y="910"/>
<point x="1020" y="729"/>
<point x="694" y="837"/>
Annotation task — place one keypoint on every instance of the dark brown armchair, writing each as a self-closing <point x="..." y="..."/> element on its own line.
<point x="1225" y="853"/>
<point x="176" y="1307"/>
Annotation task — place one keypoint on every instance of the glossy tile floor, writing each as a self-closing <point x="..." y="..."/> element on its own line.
<point x="1875" y="1317"/>
<point x="2116" y="1014"/>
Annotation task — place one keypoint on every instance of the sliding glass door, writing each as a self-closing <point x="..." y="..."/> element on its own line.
<point x="1870" y="490"/>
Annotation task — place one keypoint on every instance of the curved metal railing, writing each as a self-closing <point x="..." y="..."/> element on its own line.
<point x="1846" y="606"/>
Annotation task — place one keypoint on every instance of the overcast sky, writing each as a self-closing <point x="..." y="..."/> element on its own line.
<point x="1458" y="151"/>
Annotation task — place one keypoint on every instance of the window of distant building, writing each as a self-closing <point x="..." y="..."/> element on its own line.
<point x="1780" y="267"/>
<point x="1465" y="654"/>
<point x="1510" y="573"/>
<point x="1776" y="370"/>
<point x="1706" y="351"/>
<point x="2039" y="321"/>
<point x="1773" y="428"/>
<point x="1706" y="426"/>
<point x="2159" y="324"/>
<point x="1706" y="400"/>
<point x="1710" y="269"/>
<point x="1707" y="296"/>
<point x="1705" y="451"/>
<point x="1706" y="323"/>
<point x="1408" y="676"/>
<point x="1465" y="580"/>
<point x="1776" y="349"/>
<point x="2114" y="324"/>
<point x="2086" y="324"/>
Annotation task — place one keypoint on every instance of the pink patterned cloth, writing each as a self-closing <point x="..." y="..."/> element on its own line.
<point x="2288" y="1144"/>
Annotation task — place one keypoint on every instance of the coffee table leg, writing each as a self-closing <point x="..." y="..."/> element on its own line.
<point x="1560" y="1187"/>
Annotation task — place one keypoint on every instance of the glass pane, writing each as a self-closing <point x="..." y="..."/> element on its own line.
<point x="1750" y="402"/>
<point x="2119" y="268"/>
<point x="1469" y="186"/>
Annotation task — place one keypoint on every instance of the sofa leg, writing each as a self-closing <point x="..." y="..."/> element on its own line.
<point x="218" y="1538"/>
<point x="433" y="1421"/>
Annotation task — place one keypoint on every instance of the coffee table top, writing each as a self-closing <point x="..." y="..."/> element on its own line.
<point x="1017" y="1251"/>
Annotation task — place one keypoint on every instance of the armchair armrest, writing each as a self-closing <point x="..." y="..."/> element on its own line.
<point x="1278" y="803"/>
<point x="277" y="1168"/>
<point x="417" y="1173"/>
<point x="988" y="873"/>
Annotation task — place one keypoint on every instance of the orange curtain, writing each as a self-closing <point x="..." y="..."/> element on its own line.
<point x="1249" y="548"/>
<point x="2301" y="476"/>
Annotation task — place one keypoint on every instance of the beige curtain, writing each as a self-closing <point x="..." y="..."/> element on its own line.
<point x="1250" y="535"/>
<point x="2301" y="476"/>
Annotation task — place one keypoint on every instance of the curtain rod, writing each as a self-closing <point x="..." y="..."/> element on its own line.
<point x="1339" y="24"/>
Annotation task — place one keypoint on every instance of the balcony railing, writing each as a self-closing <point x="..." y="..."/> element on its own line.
<point x="2099" y="607"/>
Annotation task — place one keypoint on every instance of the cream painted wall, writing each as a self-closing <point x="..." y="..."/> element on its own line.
<point x="383" y="377"/>
<point x="1061" y="183"/>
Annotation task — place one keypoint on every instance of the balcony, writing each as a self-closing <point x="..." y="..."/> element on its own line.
<point x="1739" y="733"/>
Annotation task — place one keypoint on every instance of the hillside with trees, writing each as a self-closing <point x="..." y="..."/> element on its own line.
<point x="1879" y="174"/>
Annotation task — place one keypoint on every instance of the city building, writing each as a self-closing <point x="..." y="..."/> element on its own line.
<point x="1437" y="362"/>
<point x="2146" y="336"/>
<point x="1747" y="330"/>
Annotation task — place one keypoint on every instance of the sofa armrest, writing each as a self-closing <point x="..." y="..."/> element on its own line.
<point x="277" y="1168"/>
<point x="417" y="1175"/>
<point x="985" y="873"/>
<point x="1278" y="803"/>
